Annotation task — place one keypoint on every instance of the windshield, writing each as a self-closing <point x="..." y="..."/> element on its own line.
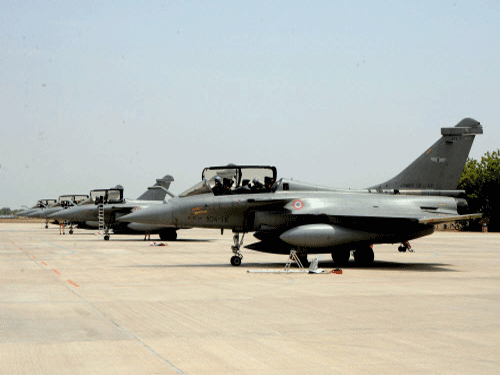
<point x="202" y="187"/>
<point x="234" y="179"/>
<point x="46" y="202"/>
<point x="70" y="200"/>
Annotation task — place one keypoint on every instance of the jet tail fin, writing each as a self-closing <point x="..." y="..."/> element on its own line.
<point x="158" y="191"/>
<point x="441" y="165"/>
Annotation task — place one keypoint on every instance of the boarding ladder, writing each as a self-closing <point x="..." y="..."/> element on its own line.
<point x="100" y="217"/>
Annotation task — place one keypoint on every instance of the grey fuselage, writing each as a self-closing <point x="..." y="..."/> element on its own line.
<point x="88" y="213"/>
<point x="355" y="216"/>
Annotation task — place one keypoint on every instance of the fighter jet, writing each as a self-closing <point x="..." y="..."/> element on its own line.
<point x="105" y="206"/>
<point x="40" y="204"/>
<point x="64" y="202"/>
<point x="287" y="215"/>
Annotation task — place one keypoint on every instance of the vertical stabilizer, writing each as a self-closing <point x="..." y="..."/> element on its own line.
<point x="158" y="191"/>
<point x="441" y="165"/>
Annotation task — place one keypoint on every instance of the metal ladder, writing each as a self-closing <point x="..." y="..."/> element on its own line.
<point x="100" y="216"/>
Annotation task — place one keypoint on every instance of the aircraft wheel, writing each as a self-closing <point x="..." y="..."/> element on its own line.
<point x="341" y="257"/>
<point x="46" y="226"/>
<point x="71" y="231"/>
<point x="402" y="249"/>
<point x="235" y="261"/>
<point x="364" y="256"/>
<point x="168" y="235"/>
<point x="106" y="238"/>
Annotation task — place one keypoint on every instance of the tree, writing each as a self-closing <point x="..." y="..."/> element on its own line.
<point x="481" y="182"/>
<point x="5" y="211"/>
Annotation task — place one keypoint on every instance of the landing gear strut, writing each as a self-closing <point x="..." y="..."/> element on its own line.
<point x="236" y="258"/>
<point x="404" y="247"/>
<point x="106" y="233"/>
<point x="47" y="224"/>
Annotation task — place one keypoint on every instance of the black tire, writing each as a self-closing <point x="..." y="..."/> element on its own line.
<point x="106" y="238"/>
<point x="364" y="256"/>
<point x="341" y="257"/>
<point x="71" y="231"/>
<point x="402" y="249"/>
<point x="46" y="226"/>
<point x="168" y="235"/>
<point x="235" y="261"/>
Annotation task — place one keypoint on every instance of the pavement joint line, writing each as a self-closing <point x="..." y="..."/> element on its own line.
<point x="124" y="330"/>
<point x="61" y="247"/>
<point x="130" y="334"/>
<point x="73" y="283"/>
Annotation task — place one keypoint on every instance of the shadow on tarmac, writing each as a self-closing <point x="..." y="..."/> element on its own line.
<point x="141" y="239"/>
<point x="376" y="266"/>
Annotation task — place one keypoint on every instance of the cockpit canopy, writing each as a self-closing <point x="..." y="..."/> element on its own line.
<point x="71" y="200"/>
<point x="114" y="195"/>
<point x="234" y="179"/>
<point x="45" y="202"/>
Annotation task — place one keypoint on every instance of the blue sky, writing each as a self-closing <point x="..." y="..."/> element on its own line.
<point x="344" y="94"/>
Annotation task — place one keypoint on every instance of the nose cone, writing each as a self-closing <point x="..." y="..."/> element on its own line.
<point x="45" y="212"/>
<point x="78" y="213"/>
<point x="156" y="215"/>
<point x="35" y="214"/>
<point x="25" y="213"/>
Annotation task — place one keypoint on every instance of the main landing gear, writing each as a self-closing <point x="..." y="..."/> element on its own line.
<point x="341" y="257"/>
<point x="168" y="235"/>
<point x="404" y="247"/>
<point x="364" y="256"/>
<point x="237" y="257"/>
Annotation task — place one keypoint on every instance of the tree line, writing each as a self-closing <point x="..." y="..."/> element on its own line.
<point x="481" y="182"/>
<point x="7" y="211"/>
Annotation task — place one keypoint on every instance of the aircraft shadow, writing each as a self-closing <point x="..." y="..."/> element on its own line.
<point x="394" y="266"/>
<point x="376" y="266"/>
<point x="155" y="240"/>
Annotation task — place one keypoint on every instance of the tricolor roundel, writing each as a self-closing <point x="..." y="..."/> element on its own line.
<point x="298" y="204"/>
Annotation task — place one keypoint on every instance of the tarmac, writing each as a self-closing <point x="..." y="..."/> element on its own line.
<point x="75" y="304"/>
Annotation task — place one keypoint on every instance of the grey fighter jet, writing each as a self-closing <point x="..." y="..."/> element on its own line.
<point x="288" y="215"/>
<point x="40" y="205"/>
<point x="64" y="202"/>
<point x="110" y="205"/>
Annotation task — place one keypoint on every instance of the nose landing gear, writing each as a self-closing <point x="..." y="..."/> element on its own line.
<point x="404" y="247"/>
<point x="237" y="257"/>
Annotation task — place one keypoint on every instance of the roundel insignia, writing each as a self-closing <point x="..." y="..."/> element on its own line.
<point x="137" y="208"/>
<point x="298" y="204"/>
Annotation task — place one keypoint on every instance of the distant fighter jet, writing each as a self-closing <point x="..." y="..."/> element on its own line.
<point x="40" y="205"/>
<point x="64" y="202"/>
<point x="113" y="205"/>
<point x="288" y="215"/>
